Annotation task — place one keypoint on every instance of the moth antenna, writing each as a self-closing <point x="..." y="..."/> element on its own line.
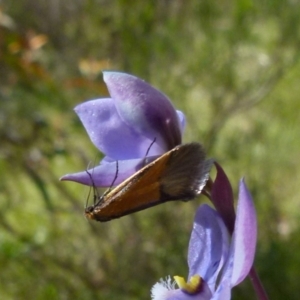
<point x="114" y="180"/>
<point x="147" y="152"/>
<point x="96" y="192"/>
<point x="88" y="196"/>
<point x="116" y="175"/>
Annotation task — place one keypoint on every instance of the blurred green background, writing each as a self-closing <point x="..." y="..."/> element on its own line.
<point x="232" y="67"/>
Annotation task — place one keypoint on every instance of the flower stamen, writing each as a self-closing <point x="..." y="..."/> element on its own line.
<point x="190" y="287"/>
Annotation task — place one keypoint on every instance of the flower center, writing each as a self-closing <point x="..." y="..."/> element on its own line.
<point x="192" y="286"/>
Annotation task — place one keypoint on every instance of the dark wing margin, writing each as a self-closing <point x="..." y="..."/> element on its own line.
<point x="186" y="173"/>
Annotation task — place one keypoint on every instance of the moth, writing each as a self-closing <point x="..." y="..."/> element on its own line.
<point x="179" y="174"/>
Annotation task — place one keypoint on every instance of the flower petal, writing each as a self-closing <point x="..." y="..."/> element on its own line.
<point x="182" y="120"/>
<point x="110" y="134"/>
<point x="242" y="248"/>
<point x="208" y="245"/>
<point x="180" y="295"/>
<point x="222" y="198"/>
<point x="244" y="236"/>
<point x="223" y="291"/>
<point x="144" y="108"/>
<point x="104" y="174"/>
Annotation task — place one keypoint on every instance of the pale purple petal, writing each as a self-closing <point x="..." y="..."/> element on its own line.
<point x="223" y="291"/>
<point x="242" y="249"/>
<point x="110" y="134"/>
<point x="144" y="108"/>
<point x="208" y="246"/>
<point x="104" y="174"/>
<point x="180" y="295"/>
<point x="182" y="120"/>
<point x="244" y="236"/>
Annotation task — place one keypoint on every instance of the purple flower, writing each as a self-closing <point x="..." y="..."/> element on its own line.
<point x="137" y="121"/>
<point x="221" y="261"/>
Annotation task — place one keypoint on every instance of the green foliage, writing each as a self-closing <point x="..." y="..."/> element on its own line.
<point x="231" y="66"/>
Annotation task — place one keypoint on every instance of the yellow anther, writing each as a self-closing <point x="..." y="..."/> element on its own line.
<point x="190" y="287"/>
